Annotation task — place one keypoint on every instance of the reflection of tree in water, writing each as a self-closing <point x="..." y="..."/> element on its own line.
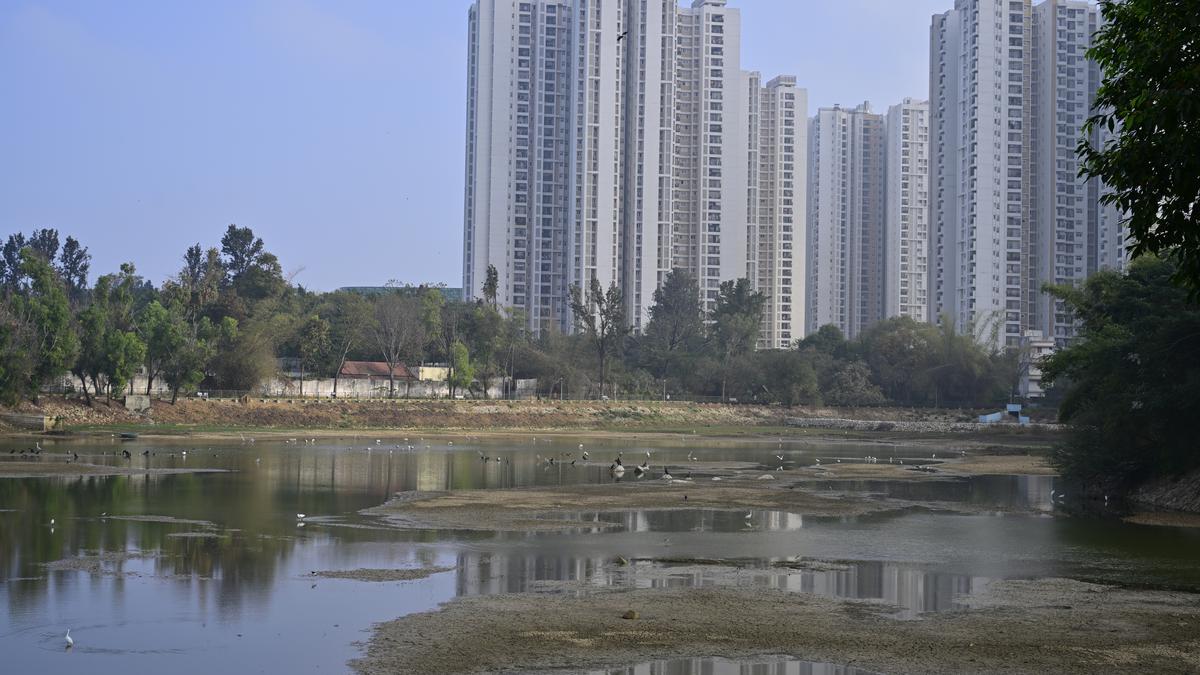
<point x="238" y="562"/>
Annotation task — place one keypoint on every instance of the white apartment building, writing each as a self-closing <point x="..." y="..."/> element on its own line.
<point x="1010" y="90"/>
<point x="979" y="102"/>
<point x="906" y="245"/>
<point x="607" y="139"/>
<point x="845" y="224"/>
<point x="517" y="199"/>
<point x="778" y="206"/>
<point x="710" y="175"/>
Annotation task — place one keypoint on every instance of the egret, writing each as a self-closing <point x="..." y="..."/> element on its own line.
<point x="301" y="516"/>
<point x="70" y="640"/>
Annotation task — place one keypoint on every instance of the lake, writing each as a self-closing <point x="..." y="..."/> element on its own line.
<point x="208" y="572"/>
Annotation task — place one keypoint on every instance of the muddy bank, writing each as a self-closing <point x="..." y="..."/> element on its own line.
<point x="97" y="563"/>
<point x="1165" y="519"/>
<point x="53" y="468"/>
<point x="1050" y="625"/>
<point x="536" y="509"/>
<point x="380" y="575"/>
<point x="1170" y="494"/>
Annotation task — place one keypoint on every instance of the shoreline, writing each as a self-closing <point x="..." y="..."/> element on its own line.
<point x="49" y="469"/>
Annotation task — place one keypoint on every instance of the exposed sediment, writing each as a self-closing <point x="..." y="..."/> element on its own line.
<point x="1049" y="625"/>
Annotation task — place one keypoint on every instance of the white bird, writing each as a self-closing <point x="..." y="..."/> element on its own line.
<point x="70" y="640"/>
<point x="301" y="516"/>
<point x="748" y="516"/>
<point x="668" y="476"/>
<point x="585" y="455"/>
<point x="779" y="457"/>
<point x="51" y="522"/>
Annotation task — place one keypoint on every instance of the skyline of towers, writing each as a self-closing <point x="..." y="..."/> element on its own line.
<point x="621" y="139"/>
<point x="613" y="139"/>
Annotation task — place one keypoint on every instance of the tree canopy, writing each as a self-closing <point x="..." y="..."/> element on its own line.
<point x="1143" y="140"/>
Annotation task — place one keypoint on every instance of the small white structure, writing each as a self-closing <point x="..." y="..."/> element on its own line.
<point x="1035" y="347"/>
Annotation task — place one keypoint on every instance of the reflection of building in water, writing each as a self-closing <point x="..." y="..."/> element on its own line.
<point x="482" y="573"/>
<point x="670" y="520"/>
<point x="913" y="590"/>
<point x="719" y="666"/>
<point x="432" y="471"/>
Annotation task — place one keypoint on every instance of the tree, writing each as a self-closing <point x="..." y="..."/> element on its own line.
<point x="11" y="267"/>
<point x="73" y="265"/>
<point x="399" y="331"/>
<point x="44" y="244"/>
<point x="600" y="315"/>
<point x="462" y="372"/>
<point x="491" y="286"/>
<point x="241" y="250"/>
<point x="188" y="366"/>
<point x="1132" y="378"/>
<point x="485" y="333"/>
<point x="52" y="342"/>
<point x="350" y="317"/>
<point x="1142" y="141"/>
<point x="736" y="318"/>
<point x="900" y="353"/>
<point x="676" y="329"/>
<point x="852" y="386"/>
<point x="162" y="332"/>
<point x="314" y="345"/>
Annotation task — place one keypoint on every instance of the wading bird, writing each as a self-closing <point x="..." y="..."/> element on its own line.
<point x="70" y="640"/>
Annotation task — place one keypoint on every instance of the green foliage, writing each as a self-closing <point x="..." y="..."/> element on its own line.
<point x="675" y="334"/>
<point x="52" y="344"/>
<point x="1132" y="380"/>
<point x="491" y="286"/>
<point x="462" y="373"/>
<point x="1148" y="111"/>
<point x="600" y="315"/>
<point x="736" y="318"/>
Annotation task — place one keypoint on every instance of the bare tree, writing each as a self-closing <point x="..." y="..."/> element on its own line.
<point x="399" y="331"/>
<point x="601" y="316"/>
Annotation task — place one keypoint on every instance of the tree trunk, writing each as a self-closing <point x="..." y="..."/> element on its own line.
<point x="86" y="397"/>
<point x="602" y="365"/>
<point x="149" y="380"/>
<point x="391" y="382"/>
<point x="174" y="394"/>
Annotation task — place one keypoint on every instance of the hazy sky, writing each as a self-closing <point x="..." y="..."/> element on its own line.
<point x="333" y="129"/>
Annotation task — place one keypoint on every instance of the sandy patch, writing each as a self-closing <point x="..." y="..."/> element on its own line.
<point x="533" y="509"/>
<point x="107" y="562"/>
<point x="1027" y="627"/>
<point x="412" y="574"/>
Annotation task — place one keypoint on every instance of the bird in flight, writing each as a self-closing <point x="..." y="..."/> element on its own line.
<point x="622" y="36"/>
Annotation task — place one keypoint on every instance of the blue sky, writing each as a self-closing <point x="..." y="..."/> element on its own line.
<point x="333" y="129"/>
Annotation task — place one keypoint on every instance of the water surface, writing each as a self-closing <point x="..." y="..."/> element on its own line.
<point x="196" y="573"/>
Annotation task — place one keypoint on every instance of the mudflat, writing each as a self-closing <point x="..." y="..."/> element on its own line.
<point x="1047" y="625"/>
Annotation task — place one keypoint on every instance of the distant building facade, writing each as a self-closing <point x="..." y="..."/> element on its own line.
<point x="906" y="239"/>
<point x="612" y="140"/>
<point x="845" y="244"/>
<point x="1010" y="89"/>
